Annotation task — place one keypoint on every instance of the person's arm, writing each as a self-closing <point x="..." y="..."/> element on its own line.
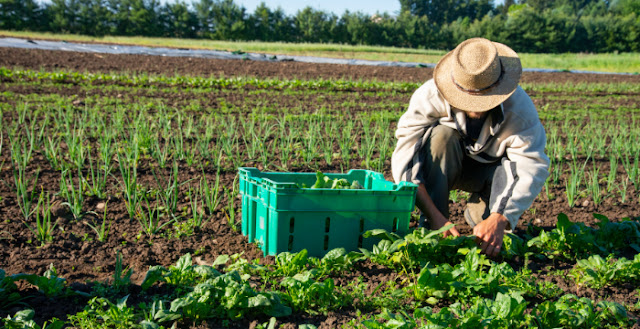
<point x="515" y="186"/>
<point x="435" y="217"/>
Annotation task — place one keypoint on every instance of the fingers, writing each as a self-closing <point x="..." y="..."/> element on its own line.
<point x="489" y="246"/>
<point x="489" y="237"/>
<point x="453" y="231"/>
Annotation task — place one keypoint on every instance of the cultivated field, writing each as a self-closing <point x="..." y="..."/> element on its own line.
<point x="120" y="207"/>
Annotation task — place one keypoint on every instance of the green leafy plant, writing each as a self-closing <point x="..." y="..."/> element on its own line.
<point x="227" y="296"/>
<point x="102" y="313"/>
<point x="49" y="283"/>
<point x="596" y="272"/>
<point x="24" y="320"/>
<point x="323" y="181"/>
<point x="9" y="295"/>
<point x="310" y="296"/>
<point x="573" y="312"/>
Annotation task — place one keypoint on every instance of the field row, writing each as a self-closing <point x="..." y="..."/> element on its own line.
<point x="131" y="182"/>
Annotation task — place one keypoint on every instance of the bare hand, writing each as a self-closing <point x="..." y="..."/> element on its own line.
<point x="435" y="217"/>
<point x="490" y="232"/>
<point x="441" y="221"/>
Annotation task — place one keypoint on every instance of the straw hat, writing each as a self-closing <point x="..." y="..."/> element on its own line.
<point x="478" y="75"/>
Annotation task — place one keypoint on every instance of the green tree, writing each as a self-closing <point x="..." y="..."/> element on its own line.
<point x="222" y="19"/>
<point x="134" y="17"/>
<point x="178" y="21"/>
<point x="416" y="31"/>
<point x="65" y="16"/>
<point x="314" y="25"/>
<point x="625" y="7"/>
<point x="357" y="27"/>
<point x="446" y="11"/>
<point x="93" y="17"/>
<point x="20" y="15"/>
<point x="268" y="25"/>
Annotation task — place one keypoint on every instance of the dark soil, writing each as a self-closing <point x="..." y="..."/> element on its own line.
<point x="82" y="260"/>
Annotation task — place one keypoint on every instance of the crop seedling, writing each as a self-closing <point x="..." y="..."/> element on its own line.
<point x="210" y="191"/>
<point x="306" y="294"/>
<point x="169" y="189"/>
<point x="102" y="231"/>
<point x="44" y="226"/>
<point x="147" y="140"/>
<point x="23" y="184"/>
<point x="594" y="186"/>
<point x="101" y="312"/>
<point x="49" y="283"/>
<point x="150" y="217"/>
<point x="231" y="195"/>
<point x="196" y="217"/>
<point x="129" y="172"/>
<point x="24" y="319"/>
<point x="72" y="193"/>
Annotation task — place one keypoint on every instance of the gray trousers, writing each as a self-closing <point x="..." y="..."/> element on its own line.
<point x="447" y="167"/>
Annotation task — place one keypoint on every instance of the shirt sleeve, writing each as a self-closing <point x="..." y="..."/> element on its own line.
<point x="425" y="107"/>
<point x="522" y="174"/>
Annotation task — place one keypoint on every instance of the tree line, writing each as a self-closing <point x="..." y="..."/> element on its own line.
<point x="533" y="26"/>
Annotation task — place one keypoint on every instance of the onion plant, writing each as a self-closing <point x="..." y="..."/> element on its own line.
<point x="330" y="131"/>
<point x="311" y="140"/>
<point x="71" y="192"/>
<point x="160" y="152"/>
<point x="613" y="172"/>
<point x="150" y="217"/>
<point x="210" y="191"/>
<point x="231" y="194"/>
<point x="22" y="148"/>
<point x="51" y="151"/>
<point x="573" y="181"/>
<point x="284" y="142"/>
<point x="383" y="151"/>
<point x="102" y="230"/>
<point x="129" y="183"/>
<point x="622" y="189"/>
<point x="632" y="169"/>
<point x="196" y="219"/>
<point x="44" y="225"/>
<point x="267" y="131"/>
<point x="23" y="184"/>
<point x="95" y="180"/>
<point x="250" y="138"/>
<point x="169" y="189"/>
<point x="594" y="185"/>
<point x="346" y="141"/>
<point x="76" y="150"/>
<point x="228" y="140"/>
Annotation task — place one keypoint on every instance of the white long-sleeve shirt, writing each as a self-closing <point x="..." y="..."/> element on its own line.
<point x="514" y="136"/>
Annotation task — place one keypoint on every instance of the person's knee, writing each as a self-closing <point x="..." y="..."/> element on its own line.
<point x="443" y="141"/>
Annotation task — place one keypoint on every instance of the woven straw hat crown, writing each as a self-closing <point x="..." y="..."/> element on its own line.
<point x="478" y="75"/>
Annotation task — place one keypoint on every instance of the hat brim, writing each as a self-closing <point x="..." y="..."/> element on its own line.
<point x="488" y="99"/>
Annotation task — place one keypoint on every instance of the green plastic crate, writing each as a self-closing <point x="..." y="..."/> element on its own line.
<point x="281" y="216"/>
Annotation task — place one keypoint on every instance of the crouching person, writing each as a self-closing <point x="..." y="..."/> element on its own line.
<point x="473" y="128"/>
